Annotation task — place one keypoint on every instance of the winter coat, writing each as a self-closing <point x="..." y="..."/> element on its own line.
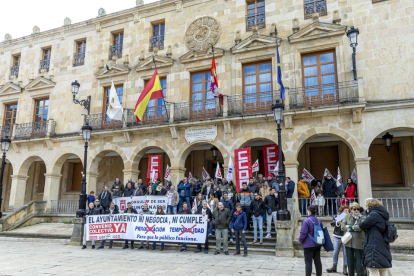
<point x="198" y="186"/>
<point x="253" y="188"/>
<point x="271" y="202"/>
<point x="307" y="229"/>
<point x="207" y="190"/>
<point x="94" y="211"/>
<point x="105" y="201"/>
<point x="318" y="190"/>
<point x="290" y="189"/>
<point x="130" y="211"/>
<point x="228" y="205"/>
<point x="143" y="187"/>
<point x="138" y="192"/>
<point x="162" y="192"/>
<point x="377" y="252"/>
<point x="175" y="199"/>
<point x="184" y="188"/>
<point x="337" y="230"/>
<point x="114" y="212"/>
<point x="264" y="191"/>
<point x="146" y="212"/>
<point x="117" y="193"/>
<point x="217" y="194"/>
<point x="121" y="186"/>
<point x="319" y="201"/>
<point x="303" y="190"/>
<point x="212" y="206"/>
<point x="329" y="188"/>
<point x="221" y="219"/>
<point x="154" y="186"/>
<point x="350" y="191"/>
<point x="239" y="221"/>
<point x="357" y="241"/>
<point x="274" y="184"/>
<point x="257" y="208"/>
<point x="128" y="192"/>
<point x="208" y="213"/>
<point x="90" y="198"/>
<point x="245" y="197"/>
<point x="224" y="187"/>
<point x="185" y="212"/>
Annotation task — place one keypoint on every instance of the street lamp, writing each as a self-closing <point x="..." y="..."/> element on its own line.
<point x="353" y="38"/>
<point x="5" y="145"/>
<point x="388" y="140"/>
<point x="283" y="213"/>
<point x="214" y="150"/>
<point x="86" y="135"/>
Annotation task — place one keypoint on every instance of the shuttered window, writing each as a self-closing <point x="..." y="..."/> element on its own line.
<point x="321" y="158"/>
<point x="385" y="166"/>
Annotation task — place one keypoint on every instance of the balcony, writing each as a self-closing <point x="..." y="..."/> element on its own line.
<point x="340" y="93"/>
<point x="78" y="59"/>
<point x="115" y="51"/>
<point x="101" y="122"/>
<point x="156" y="41"/>
<point x="6" y="131"/>
<point x="35" y="130"/>
<point x="14" y="71"/>
<point x="314" y="6"/>
<point x="154" y="115"/>
<point x="252" y="104"/>
<point x="44" y="64"/>
<point x="257" y="19"/>
<point x="198" y="110"/>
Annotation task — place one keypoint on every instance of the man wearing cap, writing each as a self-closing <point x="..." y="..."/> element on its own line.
<point x="273" y="182"/>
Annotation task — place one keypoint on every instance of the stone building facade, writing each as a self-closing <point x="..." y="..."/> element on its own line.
<point x="330" y="119"/>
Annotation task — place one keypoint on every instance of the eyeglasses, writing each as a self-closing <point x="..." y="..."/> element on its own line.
<point x="355" y="209"/>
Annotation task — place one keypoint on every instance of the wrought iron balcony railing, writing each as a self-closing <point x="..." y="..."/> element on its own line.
<point x="44" y="64"/>
<point x="14" y="71"/>
<point x="115" y="50"/>
<point x="6" y="131"/>
<point x="78" y="59"/>
<point x="156" y="41"/>
<point x="314" y="6"/>
<point x="252" y="104"/>
<point x="257" y="19"/>
<point x="197" y="110"/>
<point x="324" y="95"/>
<point x="154" y="115"/>
<point x="35" y="130"/>
<point x="101" y="122"/>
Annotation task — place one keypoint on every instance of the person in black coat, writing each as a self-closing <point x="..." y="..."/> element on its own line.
<point x="129" y="190"/>
<point x="129" y="210"/>
<point x="330" y="192"/>
<point x="105" y="198"/>
<point x="377" y="253"/>
<point x="142" y="186"/>
<point x="112" y="210"/>
<point x="257" y="209"/>
<point x="205" y="211"/>
<point x="198" y="186"/>
<point x="271" y="204"/>
<point x="216" y="191"/>
<point x="290" y="187"/>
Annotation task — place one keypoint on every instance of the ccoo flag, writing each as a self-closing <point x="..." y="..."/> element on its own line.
<point x="152" y="91"/>
<point x="279" y="74"/>
<point x="115" y="110"/>
<point x="214" y="83"/>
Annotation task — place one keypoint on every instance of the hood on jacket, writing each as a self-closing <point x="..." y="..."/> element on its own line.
<point x="381" y="211"/>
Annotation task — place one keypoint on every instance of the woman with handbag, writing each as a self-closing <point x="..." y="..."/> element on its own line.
<point x="353" y="239"/>
<point x="338" y="234"/>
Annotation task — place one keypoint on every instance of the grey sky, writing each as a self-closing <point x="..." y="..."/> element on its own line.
<point x="19" y="16"/>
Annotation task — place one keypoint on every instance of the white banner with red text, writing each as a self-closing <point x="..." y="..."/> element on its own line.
<point x="138" y="202"/>
<point x="166" y="228"/>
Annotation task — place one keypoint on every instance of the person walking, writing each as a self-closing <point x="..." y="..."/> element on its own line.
<point x="311" y="250"/>
<point x="184" y="192"/>
<point x="303" y="194"/>
<point x="337" y="243"/>
<point x="239" y="223"/>
<point x="246" y="198"/>
<point x="221" y="220"/>
<point x="271" y="204"/>
<point x="105" y="198"/>
<point x="129" y="210"/>
<point x="206" y="212"/>
<point x="377" y="254"/>
<point x="160" y="212"/>
<point x="145" y="211"/>
<point x="354" y="247"/>
<point x="113" y="210"/>
<point x="257" y="208"/>
<point x="172" y="201"/>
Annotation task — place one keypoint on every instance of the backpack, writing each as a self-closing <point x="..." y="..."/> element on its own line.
<point x="318" y="236"/>
<point x="390" y="234"/>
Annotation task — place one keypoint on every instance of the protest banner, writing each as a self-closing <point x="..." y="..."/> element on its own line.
<point x="243" y="167"/>
<point x="165" y="228"/>
<point x="139" y="201"/>
<point x="154" y="165"/>
<point x="271" y="157"/>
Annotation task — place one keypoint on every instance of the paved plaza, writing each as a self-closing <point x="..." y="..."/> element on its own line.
<point x="46" y="258"/>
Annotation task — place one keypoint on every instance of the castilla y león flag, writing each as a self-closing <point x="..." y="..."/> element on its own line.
<point x="152" y="91"/>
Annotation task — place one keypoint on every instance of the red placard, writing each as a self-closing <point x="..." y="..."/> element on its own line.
<point x="271" y="156"/>
<point x="243" y="167"/>
<point x="154" y="163"/>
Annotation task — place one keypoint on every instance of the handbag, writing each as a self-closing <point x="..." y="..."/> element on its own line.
<point x="328" y="245"/>
<point x="346" y="238"/>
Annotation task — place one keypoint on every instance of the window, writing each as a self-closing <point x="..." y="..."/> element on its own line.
<point x="41" y="110"/>
<point x="14" y="70"/>
<point x="119" y="92"/>
<point x="385" y="167"/>
<point x="45" y="62"/>
<point x="16" y="60"/>
<point x="314" y="6"/>
<point x="257" y="86"/>
<point x="319" y="77"/>
<point x="255" y="14"/>
<point x="47" y="53"/>
<point x="158" y="106"/>
<point x="10" y="114"/>
<point x="79" y="57"/>
<point x="202" y="102"/>
<point x="117" y="45"/>
<point x="157" y="39"/>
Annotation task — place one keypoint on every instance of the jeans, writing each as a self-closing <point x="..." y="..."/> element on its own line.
<point x="331" y="206"/>
<point x="132" y="243"/>
<point x="258" y="221"/>
<point x="304" y="205"/>
<point x="353" y="255"/>
<point x="246" y="209"/>
<point x="377" y="271"/>
<point x="231" y="232"/>
<point x="154" y="244"/>
<point x="210" y="227"/>
<point x="186" y="199"/>
<point x="171" y="210"/>
<point x="184" y="246"/>
<point x="222" y="233"/>
<point x="238" y="234"/>
<point x="269" y="218"/>
<point x="142" y="243"/>
<point x="110" y="243"/>
<point x="313" y="253"/>
<point x="337" y="243"/>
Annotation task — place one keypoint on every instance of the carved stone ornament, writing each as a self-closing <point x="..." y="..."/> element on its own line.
<point x="202" y="33"/>
<point x="140" y="3"/>
<point x="67" y="21"/>
<point x="101" y="12"/>
<point x="7" y="37"/>
<point x="36" y="30"/>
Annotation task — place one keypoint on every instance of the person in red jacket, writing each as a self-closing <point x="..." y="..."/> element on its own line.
<point x="350" y="190"/>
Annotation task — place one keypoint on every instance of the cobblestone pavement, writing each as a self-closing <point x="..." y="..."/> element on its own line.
<point x="41" y="258"/>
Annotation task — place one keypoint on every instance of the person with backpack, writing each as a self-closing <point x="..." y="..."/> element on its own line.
<point x="312" y="241"/>
<point x="377" y="253"/>
<point x="353" y="239"/>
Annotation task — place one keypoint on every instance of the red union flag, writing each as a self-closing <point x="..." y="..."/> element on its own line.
<point x="218" y="171"/>
<point x="271" y="157"/>
<point x="154" y="165"/>
<point x="308" y="175"/>
<point x="255" y="166"/>
<point x="167" y="174"/>
<point x="243" y="167"/>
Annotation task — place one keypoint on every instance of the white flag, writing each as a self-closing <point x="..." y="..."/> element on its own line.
<point x="230" y="170"/>
<point x="339" y="179"/>
<point x="276" y="170"/>
<point x="194" y="207"/>
<point x="308" y="175"/>
<point x="167" y="174"/>
<point x="255" y="166"/>
<point x="190" y="177"/>
<point x="205" y="174"/>
<point x="115" y="110"/>
<point x="325" y="173"/>
<point x="218" y="172"/>
<point x="312" y="196"/>
<point x="153" y="179"/>
<point x="354" y="175"/>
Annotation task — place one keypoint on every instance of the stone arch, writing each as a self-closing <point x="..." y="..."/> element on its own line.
<point x="389" y="127"/>
<point x="25" y="165"/>
<point x="139" y="152"/>
<point x="185" y="150"/>
<point x="58" y="162"/>
<point x="99" y="153"/>
<point x="8" y="172"/>
<point x="242" y="141"/>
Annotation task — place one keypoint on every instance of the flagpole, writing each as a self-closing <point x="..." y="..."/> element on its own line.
<point x="109" y="72"/>
<point x="277" y="50"/>
<point x="165" y="102"/>
<point x="212" y="51"/>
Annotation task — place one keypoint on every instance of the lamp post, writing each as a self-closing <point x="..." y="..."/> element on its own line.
<point x="214" y="150"/>
<point x="5" y="145"/>
<point x="86" y="134"/>
<point x="388" y="140"/>
<point x="283" y="213"/>
<point x="353" y="38"/>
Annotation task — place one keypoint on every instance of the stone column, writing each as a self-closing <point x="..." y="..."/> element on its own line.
<point x="291" y="168"/>
<point x="18" y="191"/>
<point x="177" y="174"/>
<point x="364" y="179"/>
<point x="78" y="231"/>
<point x="91" y="180"/>
<point x="51" y="192"/>
<point x="130" y="173"/>
<point x="284" y="244"/>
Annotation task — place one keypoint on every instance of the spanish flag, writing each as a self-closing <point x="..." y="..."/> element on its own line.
<point x="152" y="91"/>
